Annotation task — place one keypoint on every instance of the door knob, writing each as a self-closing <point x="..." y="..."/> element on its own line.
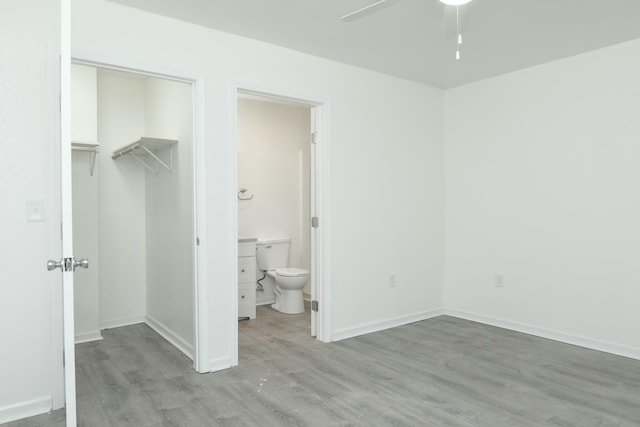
<point x="52" y="265"/>
<point x="83" y="262"/>
<point x="67" y="264"/>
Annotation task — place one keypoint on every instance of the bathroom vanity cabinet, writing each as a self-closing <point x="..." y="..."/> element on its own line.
<point x="247" y="278"/>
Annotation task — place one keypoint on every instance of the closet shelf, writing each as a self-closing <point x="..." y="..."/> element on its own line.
<point x="144" y="148"/>
<point x="93" y="148"/>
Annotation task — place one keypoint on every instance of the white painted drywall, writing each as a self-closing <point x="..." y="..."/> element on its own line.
<point x="30" y="38"/>
<point x="121" y="119"/>
<point x="169" y="213"/>
<point x="387" y="150"/>
<point x="85" y="245"/>
<point x="84" y="104"/>
<point x="386" y="161"/>
<point x="543" y="186"/>
<point x="84" y="127"/>
<point x="273" y="164"/>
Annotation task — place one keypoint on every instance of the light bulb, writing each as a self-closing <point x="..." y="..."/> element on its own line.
<point x="459" y="38"/>
<point x="455" y="2"/>
<point x="457" y="54"/>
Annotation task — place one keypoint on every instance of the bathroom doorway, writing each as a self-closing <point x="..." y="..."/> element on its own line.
<point x="135" y="138"/>
<point x="281" y="181"/>
<point x="274" y="143"/>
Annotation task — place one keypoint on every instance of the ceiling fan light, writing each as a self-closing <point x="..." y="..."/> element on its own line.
<point x="455" y="2"/>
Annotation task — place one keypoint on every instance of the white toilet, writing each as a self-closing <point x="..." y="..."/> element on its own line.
<point x="272" y="256"/>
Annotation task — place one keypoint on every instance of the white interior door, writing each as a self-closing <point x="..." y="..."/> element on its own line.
<point x="320" y="198"/>
<point x="68" y="263"/>
<point x="314" y="230"/>
<point x="32" y="36"/>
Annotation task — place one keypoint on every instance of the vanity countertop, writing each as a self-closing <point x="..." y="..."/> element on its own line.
<point x="244" y="239"/>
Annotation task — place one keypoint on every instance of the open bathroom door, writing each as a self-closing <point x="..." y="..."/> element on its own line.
<point x="320" y="223"/>
<point x="314" y="229"/>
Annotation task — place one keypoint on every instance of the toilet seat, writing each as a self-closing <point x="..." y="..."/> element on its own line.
<point x="291" y="272"/>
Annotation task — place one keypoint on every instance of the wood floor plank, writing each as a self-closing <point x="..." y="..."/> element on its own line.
<point x="440" y="372"/>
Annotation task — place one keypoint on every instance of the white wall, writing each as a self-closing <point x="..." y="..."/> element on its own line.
<point x="84" y="104"/>
<point x="273" y="164"/>
<point x="543" y="186"/>
<point x="84" y="127"/>
<point x="121" y="183"/>
<point x="85" y="245"/>
<point x="29" y="294"/>
<point x="570" y="234"/>
<point x="169" y="214"/>
<point x="386" y="162"/>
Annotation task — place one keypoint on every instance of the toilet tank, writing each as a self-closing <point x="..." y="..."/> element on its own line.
<point x="272" y="253"/>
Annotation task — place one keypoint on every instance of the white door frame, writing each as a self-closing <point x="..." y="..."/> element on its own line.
<point x="320" y="205"/>
<point x="201" y="294"/>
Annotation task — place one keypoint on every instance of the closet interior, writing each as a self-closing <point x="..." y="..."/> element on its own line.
<point x="133" y="204"/>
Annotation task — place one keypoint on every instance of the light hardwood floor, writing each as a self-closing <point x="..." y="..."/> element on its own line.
<point x="440" y="372"/>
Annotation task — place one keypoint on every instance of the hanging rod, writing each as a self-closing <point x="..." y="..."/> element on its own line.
<point x="93" y="148"/>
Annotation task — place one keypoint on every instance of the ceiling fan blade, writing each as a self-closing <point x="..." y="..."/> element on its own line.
<point x="367" y="10"/>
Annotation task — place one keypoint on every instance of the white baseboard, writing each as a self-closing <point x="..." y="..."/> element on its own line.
<point x="368" y="328"/>
<point x="170" y="336"/>
<point x="88" y="337"/>
<point x="620" y="350"/>
<point x="219" y="363"/>
<point x="26" y="409"/>
<point x="125" y="321"/>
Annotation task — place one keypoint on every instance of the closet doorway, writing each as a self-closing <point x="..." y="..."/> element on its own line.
<point x="136" y="204"/>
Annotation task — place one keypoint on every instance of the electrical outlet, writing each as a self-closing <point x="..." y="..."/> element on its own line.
<point x="500" y="280"/>
<point x="392" y="280"/>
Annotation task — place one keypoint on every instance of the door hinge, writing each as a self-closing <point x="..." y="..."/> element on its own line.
<point x="197" y="241"/>
<point x="314" y="138"/>
<point x="314" y="305"/>
<point x="314" y="222"/>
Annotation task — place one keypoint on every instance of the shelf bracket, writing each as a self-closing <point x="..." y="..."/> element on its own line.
<point x="169" y="166"/>
<point x="149" y="168"/>
<point x="154" y="171"/>
<point x="89" y="147"/>
<point x="92" y="162"/>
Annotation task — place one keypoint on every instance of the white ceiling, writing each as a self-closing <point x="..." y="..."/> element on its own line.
<point x="415" y="39"/>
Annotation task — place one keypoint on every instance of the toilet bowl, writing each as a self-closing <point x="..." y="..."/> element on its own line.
<point x="288" y="289"/>
<point x="272" y="256"/>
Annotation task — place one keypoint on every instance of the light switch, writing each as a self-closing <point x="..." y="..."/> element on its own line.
<point x="35" y="210"/>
